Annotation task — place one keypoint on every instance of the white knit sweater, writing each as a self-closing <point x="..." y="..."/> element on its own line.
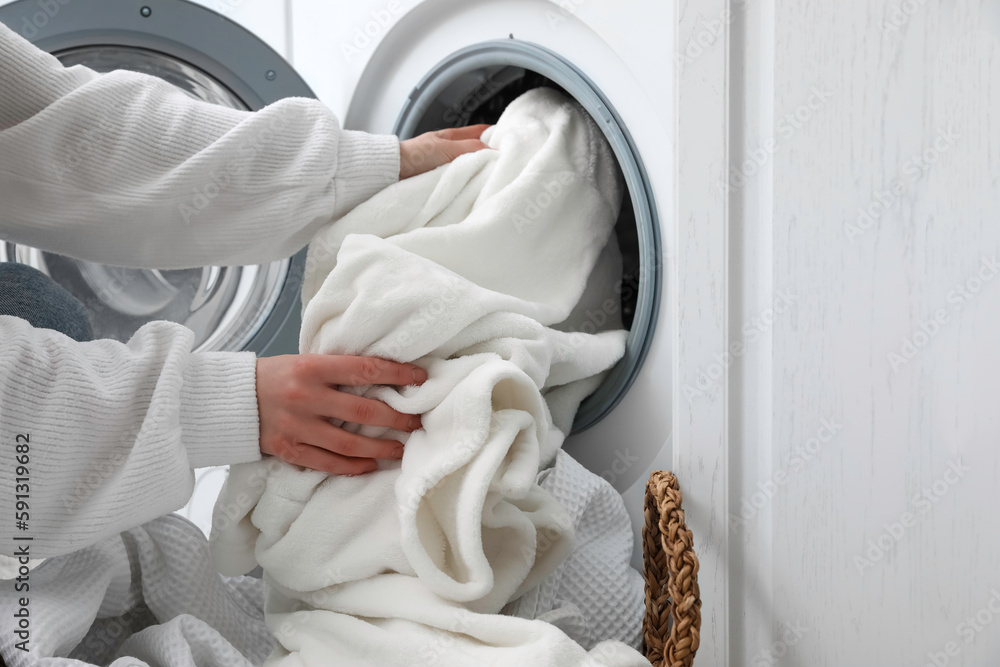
<point x="118" y="169"/>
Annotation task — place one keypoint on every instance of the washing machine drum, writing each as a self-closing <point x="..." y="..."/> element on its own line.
<point x="212" y="59"/>
<point x="475" y="85"/>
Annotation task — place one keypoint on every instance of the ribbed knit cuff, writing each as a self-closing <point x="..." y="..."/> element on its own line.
<point x="366" y="164"/>
<point x="218" y="416"/>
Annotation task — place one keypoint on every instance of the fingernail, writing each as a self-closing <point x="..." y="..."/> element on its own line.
<point x="419" y="375"/>
<point x="398" y="452"/>
<point x="414" y="423"/>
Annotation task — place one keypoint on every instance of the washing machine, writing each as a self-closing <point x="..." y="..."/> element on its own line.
<point x="403" y="67"/>
<point x="406" y="67"/>
<point x="212" y="59"/>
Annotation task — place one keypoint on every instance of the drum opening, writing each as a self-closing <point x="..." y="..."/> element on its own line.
<point x="474" y="86"/>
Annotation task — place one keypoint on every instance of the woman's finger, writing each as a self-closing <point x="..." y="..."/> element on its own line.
<point x="456" y="148"/>
<point x="323" y="434"/>
<point x="467" y="132"/>
<point x="349" y="370"/>
<point x="360" y="410"/>
<point x="326" y="461"/>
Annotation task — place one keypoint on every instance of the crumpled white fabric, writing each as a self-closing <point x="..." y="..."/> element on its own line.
<point x="466" y="270"/>
<point x="595" y="593"/>
<point x="152" y="592"/>
<point x="148" y="597"/>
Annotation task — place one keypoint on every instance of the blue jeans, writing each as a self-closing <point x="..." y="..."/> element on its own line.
<point x="28" y="293"/>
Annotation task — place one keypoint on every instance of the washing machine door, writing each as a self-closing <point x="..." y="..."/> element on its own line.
<point x="212" y="59"/>
<point x="474" y="85"/>
<point x="415" y="81"/>
<point x="419" y="65"/>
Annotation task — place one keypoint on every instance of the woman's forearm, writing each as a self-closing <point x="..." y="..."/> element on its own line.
<point x="123" y="168"/>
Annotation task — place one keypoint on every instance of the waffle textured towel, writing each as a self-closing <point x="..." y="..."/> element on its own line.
<point x="595" y="594"/>
<point x="473" y="271"/>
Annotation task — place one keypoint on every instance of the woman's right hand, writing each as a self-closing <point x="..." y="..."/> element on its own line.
<point x="297" y="394"/>
<point x="432" y="149"/>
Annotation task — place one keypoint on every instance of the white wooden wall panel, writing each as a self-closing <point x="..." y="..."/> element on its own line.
<point x="903" y="94"/>
<point x="752" y="302"/>
<point x="699" y="295"/>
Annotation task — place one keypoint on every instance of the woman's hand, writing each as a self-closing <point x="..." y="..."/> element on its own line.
<point x="433" y="149"/>
<point x="296" y="395"/>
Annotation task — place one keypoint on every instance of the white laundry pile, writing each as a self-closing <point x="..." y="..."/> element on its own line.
<point x="595" y="594"/>
<point x="471" y="271"/>
<point x="148" y="597"/>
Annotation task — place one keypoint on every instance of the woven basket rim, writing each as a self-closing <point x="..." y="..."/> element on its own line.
<point x="672" y="623"/>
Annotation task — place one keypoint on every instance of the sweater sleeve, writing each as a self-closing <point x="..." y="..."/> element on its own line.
<point x="125" y="169"/>
<point x="102" y="436"/>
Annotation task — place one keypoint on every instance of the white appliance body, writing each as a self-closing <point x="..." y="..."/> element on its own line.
<point x="364" y="59"/>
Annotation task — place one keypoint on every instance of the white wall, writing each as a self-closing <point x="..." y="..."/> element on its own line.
<point x="840" y="560"/>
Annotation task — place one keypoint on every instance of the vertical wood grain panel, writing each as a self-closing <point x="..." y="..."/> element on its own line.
<point x="699" y="279"/>
<point x="885" y="204"/>
<point x="754" y="307"/>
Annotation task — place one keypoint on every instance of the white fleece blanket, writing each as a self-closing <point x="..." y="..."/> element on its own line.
<point x="470" y="271"/>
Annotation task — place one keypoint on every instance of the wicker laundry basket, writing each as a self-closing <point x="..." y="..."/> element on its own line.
<point x="671" y="626"/>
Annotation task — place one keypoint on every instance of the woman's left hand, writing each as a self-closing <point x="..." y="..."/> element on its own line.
<point x="432" y="149"/>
